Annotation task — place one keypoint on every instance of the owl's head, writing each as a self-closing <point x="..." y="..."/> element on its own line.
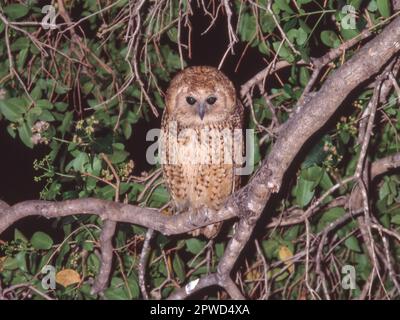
<point x="200" y="95"/>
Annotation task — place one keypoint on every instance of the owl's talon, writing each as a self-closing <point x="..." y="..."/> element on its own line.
<point x="168" y="212"/>
<point x="195" y="233"/>
<point x="192" y="217"/>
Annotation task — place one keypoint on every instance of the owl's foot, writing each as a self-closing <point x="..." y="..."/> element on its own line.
<point x="209" y="231"/>
<point x="197" y="216"/>
<point x="167" y="211"/>
<point x="212" y="230"/>
<point x="195" y="233"/>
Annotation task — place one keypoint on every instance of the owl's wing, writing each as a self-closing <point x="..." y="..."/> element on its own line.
<point x="173" y="173"/>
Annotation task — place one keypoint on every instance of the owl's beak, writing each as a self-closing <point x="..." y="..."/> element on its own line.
<point x="201" y="109"/>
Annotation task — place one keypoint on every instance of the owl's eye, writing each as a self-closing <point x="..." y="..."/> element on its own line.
<point x="190" y="100"/>
<point x="211" y="100"/>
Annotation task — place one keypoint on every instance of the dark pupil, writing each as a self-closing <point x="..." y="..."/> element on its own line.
<point x="190" y="100"/>
<point x="211" y="100"/>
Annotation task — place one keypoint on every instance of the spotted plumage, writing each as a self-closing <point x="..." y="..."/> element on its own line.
<point x="201" y="134"/>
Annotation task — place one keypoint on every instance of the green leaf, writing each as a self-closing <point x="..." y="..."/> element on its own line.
<point x="344" y="136"/>
<point x="44" y="104"/>
<point x="284" y="6"/>
<point x="200" y="271"/>
<point x="325" y="182"/>
<point x="118" y="156"/>
<point x="25" y="134"/>
<point x="20" y="44"/>
<point x="352" y="244"/>
<point x="292" y="233"/>
<point x="179" y="268"/>
<point x="41" y="240"/>
<point x="292" y="34"/>
<point x="315" y="156"/>
<point x="61" y="106"/>
<point x="384" y="8"/>
<point x="298" y="35"/>
<point x="13" y="109"/>
<point x="301" y="36"/>
<point x="313" y="173"/>
<point x="132" y="117"/>
<point x="53" y="191"/>
<point x="267" y="22"/>
<point x="329" y="216"/>
<point x="88" y="246"/>
<point x="21" y="261"/>
<point x="87" y="87"/>
<point x="22" y="58"/>
<point x="66" y="122"/>
<point x="372" y="6"/>
<point x="36" y="93"/>
<point x="385" y="220"/>
<point x="384" y="190"/>
<point x="116" y="294"/>
<point x="219" y="249"/>
<point x="173" y="34"/>
<point x="80" y="161"/>
<point x="11" y="131"/>
<point x="106" y="192"/>
<point x="270" y="248"/>
<point x="62" y="252"/>
<point x="304" y="26"/>
<point x="138" y="230"/>
<point x="355" y="3"/>
<point x="304" y="192"/>
<point x="127" y="129"/>
<point x="194" y="245"/>
<point x="247" y="27"/>
<point x="10" y="264"/>
<point x="94" y="262"/>
<point x="173" y="59"/>
<point x="46" y="115"/>
<point x="116" y="290"/>
<point x="160" y="195"/>
<point x="61" y="88"/>
<point x="263" y="48"/>
<point x="162" y="240"/>
<point x="18" y="235"/>
<point x="304" y="76"/>
<point x="91" y="183"/>
<point x="396" y="219"/>
<point x="282" y="276"/>
<point x="96" y="166"/>
<point x="16" y="11"/>
<point x="256" y="149"/>
<point x="103" y="144"/>
<point x="283" y="51"/>
<point x="133" y="286"/>
<point x="348" y="34"/>
<point x="330" y="39"/>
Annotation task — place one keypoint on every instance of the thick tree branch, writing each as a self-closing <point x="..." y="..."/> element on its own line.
<point x="114" y="211"/>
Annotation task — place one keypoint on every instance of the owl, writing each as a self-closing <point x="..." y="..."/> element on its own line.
<point x="201" y="141"/>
